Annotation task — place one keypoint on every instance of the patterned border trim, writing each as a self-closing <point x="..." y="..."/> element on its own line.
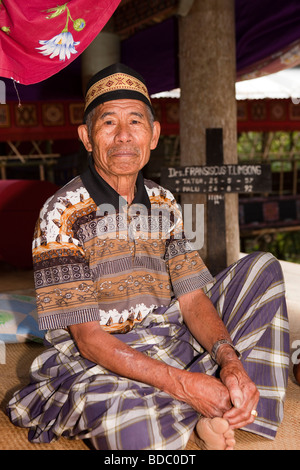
<point x="53" y="321"/>
<point x="117" y="81"/>
<point x="193" y="283"/>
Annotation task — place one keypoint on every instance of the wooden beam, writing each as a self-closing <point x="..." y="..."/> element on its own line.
<point x="133" y="15"/>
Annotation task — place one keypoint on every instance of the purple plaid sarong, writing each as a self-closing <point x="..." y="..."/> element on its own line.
<point x="73" y="397"/>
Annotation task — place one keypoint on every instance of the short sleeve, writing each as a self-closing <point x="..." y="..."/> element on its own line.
<point x="186" y="268"/>
<point x="65" y="291"/>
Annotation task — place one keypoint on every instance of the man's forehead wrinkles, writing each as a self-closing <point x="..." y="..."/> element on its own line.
<point x="114" y="113"/>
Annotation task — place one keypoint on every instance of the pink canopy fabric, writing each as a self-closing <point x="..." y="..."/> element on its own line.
<point x="41" y="37"/>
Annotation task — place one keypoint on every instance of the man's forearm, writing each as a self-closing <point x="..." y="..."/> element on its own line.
<point x="108" y="351"/>
<point x="207" y="327"/>
<point x="204" y="322"/>
<point x="204" y="393"/>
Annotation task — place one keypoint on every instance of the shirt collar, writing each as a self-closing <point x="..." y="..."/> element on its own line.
<point x="102" y="192"/>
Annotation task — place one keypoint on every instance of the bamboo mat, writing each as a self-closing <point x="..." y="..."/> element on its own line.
<point x="13" y="375"/>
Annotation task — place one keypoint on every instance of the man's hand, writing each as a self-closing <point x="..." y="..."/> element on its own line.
<point x="243" y="393"/>
<point x="206" y="394"/>
<point x="207" y="327"/>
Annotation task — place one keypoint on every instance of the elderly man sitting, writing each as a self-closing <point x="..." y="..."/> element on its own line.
<point x="144" y="345"/>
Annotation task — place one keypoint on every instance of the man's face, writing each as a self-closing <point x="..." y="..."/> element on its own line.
<point x="121" y="138"/>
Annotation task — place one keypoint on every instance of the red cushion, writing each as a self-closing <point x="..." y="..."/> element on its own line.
<point x="20" y="203"/>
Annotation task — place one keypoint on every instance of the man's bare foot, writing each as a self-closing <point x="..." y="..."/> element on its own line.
<point x="214" y="434"/>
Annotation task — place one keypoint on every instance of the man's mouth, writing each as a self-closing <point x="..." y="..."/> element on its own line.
<point x="123" y="152"/>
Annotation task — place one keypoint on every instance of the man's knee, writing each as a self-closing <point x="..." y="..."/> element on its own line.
<point x="264" y="262"/>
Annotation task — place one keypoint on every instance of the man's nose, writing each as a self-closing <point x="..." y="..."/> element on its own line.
<point x="123" y="132"/>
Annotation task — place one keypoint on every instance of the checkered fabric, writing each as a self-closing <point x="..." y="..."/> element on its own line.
<point x="71" y="396"/>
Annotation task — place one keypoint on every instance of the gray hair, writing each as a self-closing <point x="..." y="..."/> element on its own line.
<point x="89" y="122"/>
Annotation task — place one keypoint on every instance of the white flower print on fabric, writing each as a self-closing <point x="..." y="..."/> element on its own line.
<point x="63" y="44"/>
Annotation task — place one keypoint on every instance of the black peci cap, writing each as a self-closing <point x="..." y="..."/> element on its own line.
<point x="115" y="82"/>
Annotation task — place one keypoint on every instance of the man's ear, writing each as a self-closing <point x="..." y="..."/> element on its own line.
<point x="155" y="135"/>
<point x="84" y="137"/>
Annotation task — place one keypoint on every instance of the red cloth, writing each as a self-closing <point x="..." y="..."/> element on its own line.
<point x="20" y="204"/>
<point x="39" y="38"/>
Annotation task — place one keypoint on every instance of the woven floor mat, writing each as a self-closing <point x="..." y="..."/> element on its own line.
<point x="14" y="374"/>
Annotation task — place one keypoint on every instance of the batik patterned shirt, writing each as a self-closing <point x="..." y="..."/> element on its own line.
<point x="98" y="259"/>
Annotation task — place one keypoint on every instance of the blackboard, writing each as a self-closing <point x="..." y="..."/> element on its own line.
<point x="214" y="179"/>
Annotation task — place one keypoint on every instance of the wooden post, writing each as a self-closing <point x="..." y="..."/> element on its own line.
<point x="103" y="51"/>
<point x="216" y="224"/>
<point x="207" y="82"/>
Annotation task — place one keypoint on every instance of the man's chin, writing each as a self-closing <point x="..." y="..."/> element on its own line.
<point x="126" y="168"/>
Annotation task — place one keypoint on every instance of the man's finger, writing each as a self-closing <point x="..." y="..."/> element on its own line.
<point x="236" y="394"/>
